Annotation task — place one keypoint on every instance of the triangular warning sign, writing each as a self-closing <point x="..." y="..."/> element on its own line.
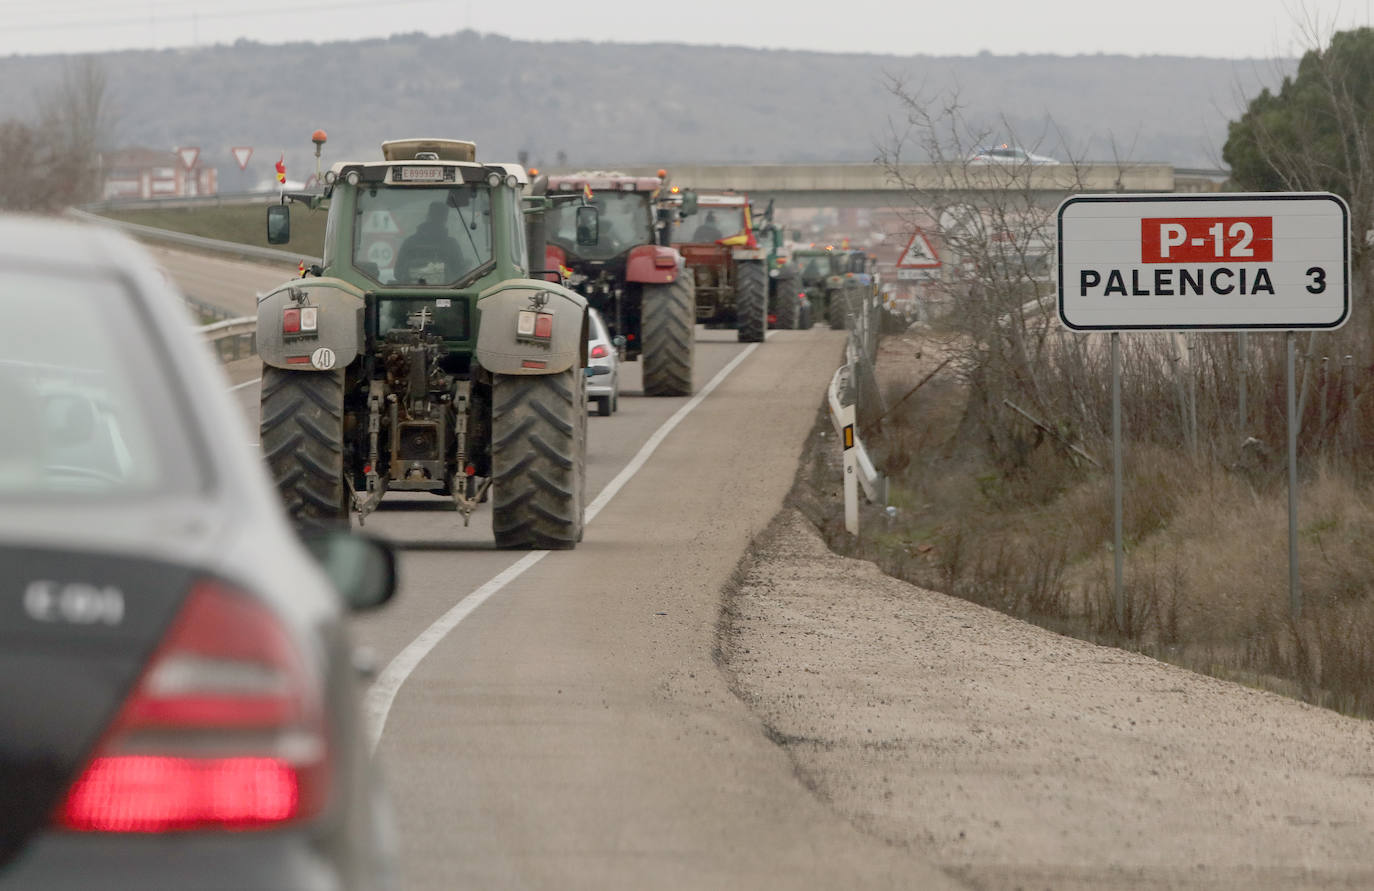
<point x="919" y="253"/>
<point x="189" y="155"/>
<point x="241" y="154"/>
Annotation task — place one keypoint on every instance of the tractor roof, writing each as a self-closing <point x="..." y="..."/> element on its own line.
<point x="442" y="149"/>
<point x="721" y="199"/>
<point x="604" y="180"/>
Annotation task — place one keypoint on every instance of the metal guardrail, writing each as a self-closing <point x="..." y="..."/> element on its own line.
<point x="216" y="200"/>
<point x="196" y="242"/>
<point x="232" y="339"/>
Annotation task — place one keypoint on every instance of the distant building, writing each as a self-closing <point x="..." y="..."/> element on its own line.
<point x="150" y="173"/>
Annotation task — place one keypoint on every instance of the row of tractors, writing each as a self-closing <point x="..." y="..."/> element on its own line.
<point x="441" y="346"/>
<point x="730" y="264"/>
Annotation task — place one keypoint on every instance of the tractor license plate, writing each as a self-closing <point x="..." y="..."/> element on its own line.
<point x="422" y="174"/>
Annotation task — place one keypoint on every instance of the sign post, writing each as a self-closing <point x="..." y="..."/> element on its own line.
<point x="851" y="479"/>
<point x="189" y="155"/>
<point x="1237" y="262"/>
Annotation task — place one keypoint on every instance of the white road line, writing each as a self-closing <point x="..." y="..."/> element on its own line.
<point x="382" y="693"/>
<point x="245" y="384"/>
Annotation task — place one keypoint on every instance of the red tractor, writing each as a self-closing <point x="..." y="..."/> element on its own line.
<point x="718" y="242"/>
<point x="622" y="266"/>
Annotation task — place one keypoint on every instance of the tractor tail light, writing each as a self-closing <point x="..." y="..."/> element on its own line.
<point x="534" y="325"/>
<point x="291" y="321"/>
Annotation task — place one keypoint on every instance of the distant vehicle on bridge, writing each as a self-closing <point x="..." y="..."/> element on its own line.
<point x="1007" y="153"/>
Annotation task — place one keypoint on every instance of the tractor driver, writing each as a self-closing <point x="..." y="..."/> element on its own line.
<point x="708" y="230"/>
<point x="428" y="246"/>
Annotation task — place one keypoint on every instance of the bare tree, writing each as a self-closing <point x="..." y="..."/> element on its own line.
<point x="54" y="161"/>
<point x="994" y="221"/>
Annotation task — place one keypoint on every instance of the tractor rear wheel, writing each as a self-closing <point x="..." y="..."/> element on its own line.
<point x="837" y="308"/>
<point x="302" y="438"/>
<point x="668" y="315"/>
<point x="538" y="458"/>
<point x="751" y="301"/>
<point x="789" y="307"/>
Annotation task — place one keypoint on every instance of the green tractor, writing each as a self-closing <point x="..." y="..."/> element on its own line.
<point x="423" y="356"/>
<point x="822" y="281"/>
<point x="836" y="281"/>
<point x="788" y="307"/>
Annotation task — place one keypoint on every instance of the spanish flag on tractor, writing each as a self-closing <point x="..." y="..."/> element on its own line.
<point x="281" y="169"/>
<point x="587" y="191"/>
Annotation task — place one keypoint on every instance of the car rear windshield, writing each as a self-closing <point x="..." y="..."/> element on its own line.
<point x="420" y="236"/>
<point x="88" y="409"/>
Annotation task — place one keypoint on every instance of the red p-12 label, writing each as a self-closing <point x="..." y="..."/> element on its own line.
<point x="1207" y="239"/>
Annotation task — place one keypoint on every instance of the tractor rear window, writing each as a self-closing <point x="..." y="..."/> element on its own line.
<point x="416" y="237"/>
<point x="709" y="224"/>
<point x="624" y="221"/>
<point x="815" y="267"/>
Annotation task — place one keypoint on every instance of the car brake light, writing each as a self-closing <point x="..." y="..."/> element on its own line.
<point x="224" y="730"/>
<point x="599" y="351"/>
<point x="290" y="321"/>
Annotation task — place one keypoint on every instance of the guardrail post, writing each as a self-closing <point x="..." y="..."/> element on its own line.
<point x="851" y="476"/>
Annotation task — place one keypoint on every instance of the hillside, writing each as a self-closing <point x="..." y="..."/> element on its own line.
<point x="599" y="103"/>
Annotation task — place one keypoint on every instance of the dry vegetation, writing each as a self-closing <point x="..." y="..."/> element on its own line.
<point x="1206" y="555"/>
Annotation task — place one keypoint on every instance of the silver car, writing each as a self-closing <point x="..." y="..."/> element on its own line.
<point x="603" y="387"/>
<point x="178" y="702"/>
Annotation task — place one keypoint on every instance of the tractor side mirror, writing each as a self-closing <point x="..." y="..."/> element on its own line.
<point x="278" y="224"/>
<point x="588" y="225"/>
<point x="689" y="203"/>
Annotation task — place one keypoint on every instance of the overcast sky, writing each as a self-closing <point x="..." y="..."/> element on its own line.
<point x="1217" y="28"/>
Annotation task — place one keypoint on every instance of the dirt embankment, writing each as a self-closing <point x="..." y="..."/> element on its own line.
<point x="1018" y="758"/>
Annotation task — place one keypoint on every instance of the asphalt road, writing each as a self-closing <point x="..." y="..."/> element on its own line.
<point x="574" y="730"/>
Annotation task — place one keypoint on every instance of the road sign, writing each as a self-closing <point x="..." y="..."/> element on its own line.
<point x="919" y="253"/>
<point x="1180" y="262"/>
<point x="189" y="155"/>
<point x="918" y="275"/>
<point x="241" y="154"/>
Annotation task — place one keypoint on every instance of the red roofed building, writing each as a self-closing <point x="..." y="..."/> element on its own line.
<point x="150" y="173"/>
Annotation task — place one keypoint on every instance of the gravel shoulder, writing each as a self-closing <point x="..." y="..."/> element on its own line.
<point x="1013" y="757"/>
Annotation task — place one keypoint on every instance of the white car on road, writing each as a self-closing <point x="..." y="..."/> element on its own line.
<point x="602" y="352"/>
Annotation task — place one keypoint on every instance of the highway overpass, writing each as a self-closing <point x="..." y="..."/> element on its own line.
<point x="869" y="185"/>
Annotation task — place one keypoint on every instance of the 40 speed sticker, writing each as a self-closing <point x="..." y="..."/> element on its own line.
<point x="323" y="358"/>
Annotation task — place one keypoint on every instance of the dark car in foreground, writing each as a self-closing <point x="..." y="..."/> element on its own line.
<point x="178" y="702"/>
